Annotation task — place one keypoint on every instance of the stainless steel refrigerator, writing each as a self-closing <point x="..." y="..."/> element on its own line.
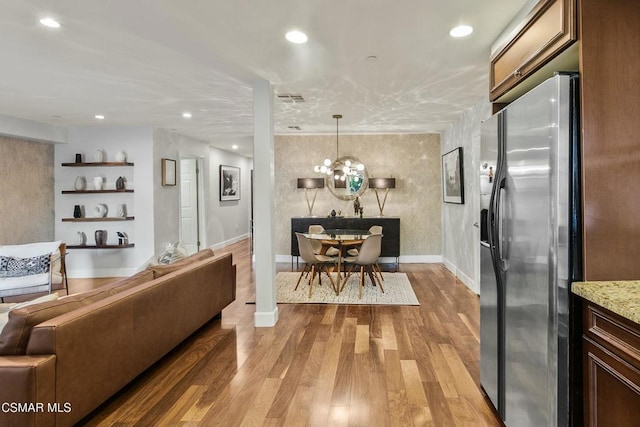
<point x="530" y="252"/>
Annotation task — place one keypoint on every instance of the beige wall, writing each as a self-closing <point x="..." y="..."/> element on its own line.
<point x="413" y="159"/>
<point x="26" y="191"/>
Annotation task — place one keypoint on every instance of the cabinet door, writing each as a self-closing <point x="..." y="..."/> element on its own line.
<point x="612" y="388"/>
<point x="547" y="31"/>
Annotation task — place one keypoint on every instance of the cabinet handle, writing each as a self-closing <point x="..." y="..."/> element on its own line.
<point x="517" y="73"/>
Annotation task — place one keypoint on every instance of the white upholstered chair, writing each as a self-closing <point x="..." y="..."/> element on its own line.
<point x="314" y="263"/>
<point x="317" y="245"/>
<point x="32" y="268"/>
<point x="366" y="259"/>
<point x="374" y="229"/>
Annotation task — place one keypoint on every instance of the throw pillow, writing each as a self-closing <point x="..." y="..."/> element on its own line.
<point x="4" y="314"/>
<point x="161" y="270"/>
<point x="18" y="267"/>
<point x="172" y="253"/>
<point x="6" y="306"/>
<point x="44" y="298"/>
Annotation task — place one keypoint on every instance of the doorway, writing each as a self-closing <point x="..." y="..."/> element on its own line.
<point x="191" y="197"/>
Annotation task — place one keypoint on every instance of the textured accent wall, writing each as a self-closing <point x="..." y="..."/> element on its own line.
<point x="413" y="159"/>
<point x="460" y="239"/>
<point x="26" y="188"/>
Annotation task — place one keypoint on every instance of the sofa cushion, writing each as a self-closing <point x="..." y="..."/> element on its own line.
<point x="161" y="270"/>
<point x="30" y="249"/>
<point x="125" y="283"/>
<point x="15" y="335"/>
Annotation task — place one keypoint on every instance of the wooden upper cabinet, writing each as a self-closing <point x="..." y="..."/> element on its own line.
<point x="549" y="29"/>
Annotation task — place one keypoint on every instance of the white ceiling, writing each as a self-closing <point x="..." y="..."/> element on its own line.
<point x="146" y="61"/>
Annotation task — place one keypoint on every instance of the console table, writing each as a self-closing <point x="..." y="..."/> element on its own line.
<point x="390" y="230"/>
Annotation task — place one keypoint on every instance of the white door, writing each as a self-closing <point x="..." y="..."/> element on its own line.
<point x="189" y="205"/>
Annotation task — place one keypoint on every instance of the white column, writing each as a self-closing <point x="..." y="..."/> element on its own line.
<point x="264" y="211"/>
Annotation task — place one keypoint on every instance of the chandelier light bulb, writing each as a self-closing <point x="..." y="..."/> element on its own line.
<point x="322" y="168"/>
<point x="327" y="162"/>
<point x="360" y="167"/>
<point x="342" y="178"/>
<point x="345" y="169"/>
<point x="348" y="162"/>
<point x="317" y="168"/>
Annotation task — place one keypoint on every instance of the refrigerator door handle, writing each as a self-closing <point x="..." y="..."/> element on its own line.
<point x="503" y="242"/>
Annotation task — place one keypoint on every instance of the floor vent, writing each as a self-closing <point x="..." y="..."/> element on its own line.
<point x="289" y="98"/>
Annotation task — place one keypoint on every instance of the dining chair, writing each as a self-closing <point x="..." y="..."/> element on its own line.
<point x="374" y="229"/>
<point x="317" y="245"/>
<point x="313" y="263"/>
<point x="366" y="259"/>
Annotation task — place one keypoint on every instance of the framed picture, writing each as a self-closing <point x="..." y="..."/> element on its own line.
<point x="229" y="183"/>
<point x="168" y="172"/>
<point x="453" y="177"/>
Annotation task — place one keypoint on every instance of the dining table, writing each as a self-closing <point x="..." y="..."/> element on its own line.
<point x="344" y="239"/>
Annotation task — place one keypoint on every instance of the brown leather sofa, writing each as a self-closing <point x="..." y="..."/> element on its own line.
<point x="66" y="357"/>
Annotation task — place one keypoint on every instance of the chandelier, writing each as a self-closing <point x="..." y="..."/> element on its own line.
<point x="346" y="176"/>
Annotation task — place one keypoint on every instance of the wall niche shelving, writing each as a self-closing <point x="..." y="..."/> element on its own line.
<point x="103" y="191"/>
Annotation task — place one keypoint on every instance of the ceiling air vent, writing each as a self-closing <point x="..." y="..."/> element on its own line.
<point x="290" y="99"/>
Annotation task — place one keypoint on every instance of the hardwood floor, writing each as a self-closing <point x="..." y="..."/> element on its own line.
<point x="320" y="365"/>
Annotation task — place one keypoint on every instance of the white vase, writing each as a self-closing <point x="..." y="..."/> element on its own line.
<point x="98" y="156"/>
<point x="80" y="184"/>
<point x="80" y="239"/>
<point x="122" y="210"/>
<point x="98" y="183"/>
<point x="100" y="210"/>
<point x="121" y="157"/>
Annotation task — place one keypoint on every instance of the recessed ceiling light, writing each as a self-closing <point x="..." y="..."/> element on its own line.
<point x="461" y="31"/>
<point x="372" y="58"/>
<point x="186" y="115"/>
<point x="234" y="146"/>
<point x="99" y="116"/>
<point x="50" y="22"/>
<point x="296" y="37"/>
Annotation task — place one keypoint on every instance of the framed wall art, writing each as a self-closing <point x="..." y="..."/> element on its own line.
<point x="168" y="172"/>
<point x="453" y="177"/>
<point x="229" y="183"/>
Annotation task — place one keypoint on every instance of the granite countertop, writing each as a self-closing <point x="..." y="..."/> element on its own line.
<point x="621" y="297"/>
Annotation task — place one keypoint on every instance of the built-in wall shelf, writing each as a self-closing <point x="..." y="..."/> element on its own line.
<point x="95" y="191"/>
<point x="85" y="164"/>
<point x="129" y="245"/>
<point x="99" y="219"/>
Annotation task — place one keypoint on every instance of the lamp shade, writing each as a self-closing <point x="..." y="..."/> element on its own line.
<point x="382" y="183"/>
<point x="310" y="182"/>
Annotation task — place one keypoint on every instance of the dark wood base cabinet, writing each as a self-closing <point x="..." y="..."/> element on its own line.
<point x="390" y="230"/>
<point x="611" y="351"/>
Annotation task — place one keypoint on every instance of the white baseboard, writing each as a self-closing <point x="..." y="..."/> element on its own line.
<point x="450" y="266"/>
<point x="468" y="281"/>
<point x="416" y="259"/>
<point x="230" y="241"/>
<point x="265" y="319"/>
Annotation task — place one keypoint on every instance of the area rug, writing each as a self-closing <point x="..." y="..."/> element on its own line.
<point x="397" y="290"/>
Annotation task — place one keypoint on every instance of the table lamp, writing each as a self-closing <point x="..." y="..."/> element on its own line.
<point x="310" y="184"/>
<point x="380" y="184"/>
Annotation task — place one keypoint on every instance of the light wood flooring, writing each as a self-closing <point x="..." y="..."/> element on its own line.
<point x="321" y="365"/>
